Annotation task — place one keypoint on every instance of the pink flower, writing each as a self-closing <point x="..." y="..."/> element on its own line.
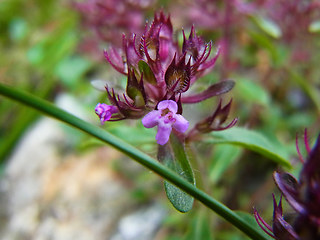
<point x="105" y="111"/>
<point x="165" y="118"/>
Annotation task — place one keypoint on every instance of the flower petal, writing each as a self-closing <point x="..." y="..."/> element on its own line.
<point x="170" y="104"/>
<point x="105" y="117"/>
<point x="163" y="133"/>
<point x="151" y="119"/>
<point x="181" y="124"/>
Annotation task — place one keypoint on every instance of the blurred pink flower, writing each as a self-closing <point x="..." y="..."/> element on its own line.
<point x="111" y="18"/>
<point x="105" y="111"/>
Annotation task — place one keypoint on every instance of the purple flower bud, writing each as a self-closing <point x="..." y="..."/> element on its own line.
<point x="165" y="118"/>
<point x="105" y="111"/>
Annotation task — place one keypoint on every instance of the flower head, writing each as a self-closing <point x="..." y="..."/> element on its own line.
<point x="165" y="118"/>
<point x="159" y="74"/>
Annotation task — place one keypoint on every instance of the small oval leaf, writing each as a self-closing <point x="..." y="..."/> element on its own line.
<point x="182" y="201"/>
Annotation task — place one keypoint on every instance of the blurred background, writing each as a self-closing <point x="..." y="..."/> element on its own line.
<point x="57" y="183"/>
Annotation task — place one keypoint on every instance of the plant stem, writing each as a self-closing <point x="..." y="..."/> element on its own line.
<point x="140" y="157"/>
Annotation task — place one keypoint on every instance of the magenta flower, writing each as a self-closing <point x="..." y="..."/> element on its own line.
<point x="165" y="118"/>
<point x="105" y="111"/>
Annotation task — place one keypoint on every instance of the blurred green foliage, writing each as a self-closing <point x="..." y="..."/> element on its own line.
<point x="39" y="54"/>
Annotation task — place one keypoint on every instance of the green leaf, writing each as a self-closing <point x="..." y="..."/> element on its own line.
<point x="50" y="50"/>
<point x="253" y="141"/>
<point x="252" y="92"/>
<point x="314" y="26"/>
<point x="268" y="26"/>
<point x="173" y="156"/>
<point x="182" y="201"/>
<point x="70" y="70"/>
<point x="147" y="72"/>
<point x="279" y="55"/>
<point x="223" y="157"/>
<point x="18" y="29"/>
<point x="36" y="53"/>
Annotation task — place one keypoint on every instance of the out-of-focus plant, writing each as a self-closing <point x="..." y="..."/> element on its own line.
<point x="106" y="22"/>
<point x="303" y="195"/>
<point x="38" y="42"/>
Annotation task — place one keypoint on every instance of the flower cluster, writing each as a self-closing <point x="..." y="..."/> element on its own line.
<point x="303" y="195"/>
<point x="159" y="73"/>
